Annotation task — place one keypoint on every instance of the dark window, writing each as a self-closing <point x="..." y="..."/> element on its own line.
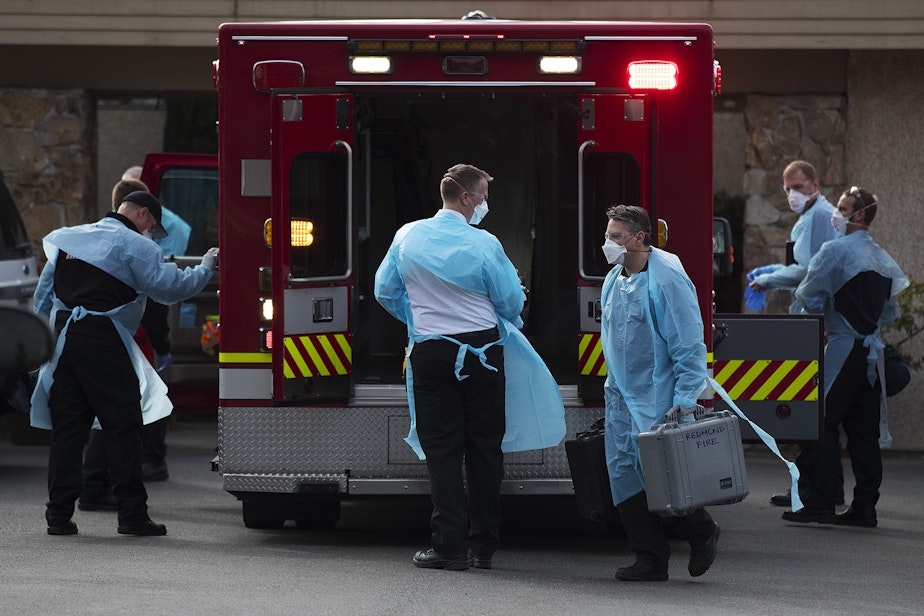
<point x="609" y="179"/>
<point x="192" y="194"/>
<point x="318" y="193"/>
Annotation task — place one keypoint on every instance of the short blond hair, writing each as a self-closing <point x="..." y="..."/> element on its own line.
<point x="807" y="169"/>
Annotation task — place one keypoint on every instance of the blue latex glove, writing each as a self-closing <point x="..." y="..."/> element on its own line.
<point x="754" y="300"/>
<point x="757" y="271"/>
<point x="163" y="361"/>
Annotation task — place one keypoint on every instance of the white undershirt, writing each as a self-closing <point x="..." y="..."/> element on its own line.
<point x="439" y="307"/>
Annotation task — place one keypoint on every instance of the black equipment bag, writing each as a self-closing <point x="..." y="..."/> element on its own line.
<point x="587" y="459"/>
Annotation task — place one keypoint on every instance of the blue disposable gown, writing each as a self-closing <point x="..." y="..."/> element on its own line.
<point x="177" y="234"/>
<point x="134" y="260"/>
<point x="652" y="336"/>
<point x="811" y="231"/>
<point x="534" y="409"/>
<point x="835" y="265"/>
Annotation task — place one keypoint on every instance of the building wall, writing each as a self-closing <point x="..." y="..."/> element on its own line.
<point x="740" y="24"/>
<point x="885" y="139"/>
<point x="127" y="132"/>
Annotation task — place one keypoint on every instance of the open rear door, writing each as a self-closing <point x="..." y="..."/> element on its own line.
<point x="614" y="162"/>
<point x="312" y="247"/>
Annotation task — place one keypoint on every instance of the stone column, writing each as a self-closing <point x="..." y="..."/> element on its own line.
<point x="48" y="157"/>
<point x="781" y="129"/>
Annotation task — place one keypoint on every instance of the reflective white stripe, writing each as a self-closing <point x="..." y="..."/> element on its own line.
<point x="484" y="84"/>
<point x="245" y="383"/>
<point x="288" y="38"/>
<point x="640" y="38"/>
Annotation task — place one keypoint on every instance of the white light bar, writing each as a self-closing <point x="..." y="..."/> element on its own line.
<point x="371" y="65"/>
<point x="559" y="65"/>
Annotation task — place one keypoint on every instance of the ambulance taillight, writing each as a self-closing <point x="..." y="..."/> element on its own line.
<point x="301" y="233"/>
<point x="652" y="75"/>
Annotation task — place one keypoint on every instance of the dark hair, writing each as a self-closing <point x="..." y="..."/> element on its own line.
<point x="634" y="217"/>
<point x="461" y="177"/>
<point x="866" y="201"/>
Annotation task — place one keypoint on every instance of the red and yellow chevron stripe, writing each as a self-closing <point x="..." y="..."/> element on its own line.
<point x="317" y="355"/>
<point x="764" y="379"/>
<point x="590" y="355"/>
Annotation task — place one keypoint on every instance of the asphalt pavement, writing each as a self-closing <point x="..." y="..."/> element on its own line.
<point x="550" y="561"/>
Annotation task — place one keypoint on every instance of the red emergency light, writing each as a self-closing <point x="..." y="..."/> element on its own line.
<point x="652" y="75"/>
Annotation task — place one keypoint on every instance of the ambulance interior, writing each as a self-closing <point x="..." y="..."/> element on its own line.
<point x="529" y="144"/>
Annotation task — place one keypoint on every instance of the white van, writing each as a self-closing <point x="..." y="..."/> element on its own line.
<point x="18" y="270"/>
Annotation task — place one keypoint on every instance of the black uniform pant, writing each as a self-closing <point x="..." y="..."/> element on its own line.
<point x="96" y="469"/>
<point x="456" y="421"/>
<point x="94" y="378"/>
<point x="853" y="403"/>
<point x="802" y="464"/>
<point x="154" y="442"/>
<point x="645" y="533"/>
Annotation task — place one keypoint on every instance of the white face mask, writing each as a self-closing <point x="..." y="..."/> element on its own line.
<point x="798" y="200"/>
<point x="615" y="253"/>
<point x="839" y="222"/>
<point x="481" y="210"/>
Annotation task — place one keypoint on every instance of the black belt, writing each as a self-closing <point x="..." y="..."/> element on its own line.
<point x="484" y="335"/>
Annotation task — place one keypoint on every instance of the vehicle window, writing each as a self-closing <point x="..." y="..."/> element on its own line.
<point x="192" y="194"/>
<point x="317" y="192"/>
<point x="609" y="178"/>
<point x="14" y="242"/>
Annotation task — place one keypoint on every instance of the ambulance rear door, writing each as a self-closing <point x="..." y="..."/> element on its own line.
<point x="312" y="247"/>
<point x="614" y="166"/>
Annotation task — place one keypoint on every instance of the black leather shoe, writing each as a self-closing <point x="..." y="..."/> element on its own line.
<point x="145" y="529"/>
<point x="702" y="552"/>
<point x="640" y="572"/>
<point x="154" y="472"/>
<point x="68" y="528"/>
<point x="105" y="503"/>
<point x="431" y="559"/>
<point x="806" y="515"/>
<point x="857" y="517"/>
<point x="782" y="500"/>
<point x="785" y="500"/>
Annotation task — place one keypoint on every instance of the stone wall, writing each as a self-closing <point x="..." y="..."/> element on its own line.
<point x="781" y="129"/>
<point x="48" y="157"/>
